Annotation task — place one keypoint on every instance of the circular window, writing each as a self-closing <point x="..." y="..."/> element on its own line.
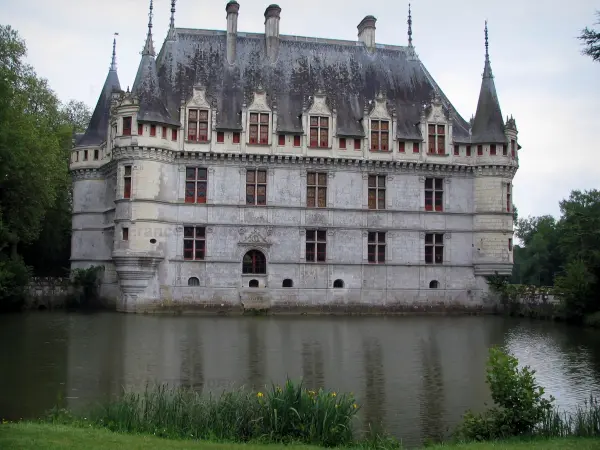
<point x="153" y="241"/>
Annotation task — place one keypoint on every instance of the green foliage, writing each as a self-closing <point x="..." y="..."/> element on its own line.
<point x="576" y="287"/>
<point x="583" y="422"/>
<point x="14" y="279"/>
<point x="592" y="320"/>
<point x="519" y="402"/>
<point x="590" y="38"/>
<point x="86" y="283"/>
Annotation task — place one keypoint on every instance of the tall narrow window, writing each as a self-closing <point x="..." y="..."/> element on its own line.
<point x="236" y="138"/>
<point x="402" y="147"/>
<point x="376" y="247"/>
<point x="434" y="248"/>
<point x="376" y="191"/>
<point x="152" y="130"/>
<point x="416" y="147"/>
<point x="504" y="150"/>
<point x="194" y="241"/>
<point x="164" y="132"/>
<point x="220" y="137"/>
<point x="140" y="129"/>
<point x="343" y="143"/>
<point x="259" y="128"/>
<point x="508" y="197"/>
<point x="493" y="150"/>
<point x="281" y="142"/>
<point x="85" y="155"/>
<point x="480" y="150"/>
<point x="319" y="131"/>
<point x="437" y="139"/>
<point x="127" y="126"/>
<point x="125" y="232"/>
<point x="195" y="184"/>
<point x="127" y="182"/>
<point x="316" y="245"/>
<point x="456" y="150"/>
<point x="174" y="134"/>
<point x="434" y="194"/>
<point x="513" y="148"/>
<point x="76" y="156"/>
<point x="96" y="155"/>
<point x="297" y="140"/>
<point x="198" y="125"/>
<point x="316" y="190"/>
<point x="510" y="244"/>
<point x="357" y="144"/>
<point x="468" y="150"/>
<point x="256" y="187"/>
<point x="380" y="135"/>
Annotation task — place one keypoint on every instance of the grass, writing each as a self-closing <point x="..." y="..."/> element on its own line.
<point x="24" y="435"/>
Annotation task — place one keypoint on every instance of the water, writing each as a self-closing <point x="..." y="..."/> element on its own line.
<point x="414" y="375"/>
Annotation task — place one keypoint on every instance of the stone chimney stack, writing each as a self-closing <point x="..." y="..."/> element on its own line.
<point x="232" y="9"/>
<point x="272" y="31"/>
<point x="366" y="32"/>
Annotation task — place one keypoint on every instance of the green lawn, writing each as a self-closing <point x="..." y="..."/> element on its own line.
<point x="54" y="437"/>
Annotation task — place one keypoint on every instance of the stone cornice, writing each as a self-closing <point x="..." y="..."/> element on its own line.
<point x="87" y="174"/>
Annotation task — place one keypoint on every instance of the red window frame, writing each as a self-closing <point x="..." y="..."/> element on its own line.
<point x="256" y="187"/>
<point x="196" y="184"/>
<point x="127" y="126"/>
<point x="281" y="140"/>
<point x="152" y="130"/>
<point x="468" y="150"/>
<point x="319" y="131"/>
<point x="236" y="137"/>
<point x="493" y="149"/>
<point x="357" y="144"/>
<point x="140" y="129"/>
<point x="174" y="134"/>
<point x="434" y="194"/>
<point x="376" y="247"/>
<point x="437" y="139"/>
<point x="197" y="125"/>
<point x="416" y="147"/>
<point x="513" y="148"/>
<point x="434" y="248"/>
<point x="259" y="128"/>
<point x="402" y="147"/>
<point x="127" y="182"/>
<point x="480" y="150"/>
<point x="254" y="263"/>
<point x="297" y="140"/>
<point x="220" y="137"/>
<point x="194" y="243"/>
<point x="316" y="245"/>
<point x="164" y="132"/>
<point x="456" y="150"/>
<point x="343" y="143"/>
<point x="376" y="191"/>
<point x="316" y="190"/>
<point x="508" y="197"/>
<point x="380" y="135"/>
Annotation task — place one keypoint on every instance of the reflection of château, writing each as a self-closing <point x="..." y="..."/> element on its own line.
<point x="306" y="171"/>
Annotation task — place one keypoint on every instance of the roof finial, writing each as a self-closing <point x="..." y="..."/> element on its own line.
<point x="113" y="63"/>
<point x="487" y="55"/>
<point x="149" y="46"/>
<point x="171" y="34"/>
<point x="409" y="27"/>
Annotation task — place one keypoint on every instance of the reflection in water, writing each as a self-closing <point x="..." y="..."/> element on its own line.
<point x="415" y="375"/>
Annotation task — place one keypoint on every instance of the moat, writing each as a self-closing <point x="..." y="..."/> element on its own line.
<point x="415" y="375"/>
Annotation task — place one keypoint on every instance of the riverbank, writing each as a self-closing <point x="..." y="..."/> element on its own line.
<point x="28" y="435"/>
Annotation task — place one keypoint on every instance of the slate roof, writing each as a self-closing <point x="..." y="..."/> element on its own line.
<point x="346" y="73"/>
<point x="488" y="125"/>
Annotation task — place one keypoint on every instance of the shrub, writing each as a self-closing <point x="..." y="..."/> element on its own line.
<point x="519" y="403"/>
<point x="14" y="280"/>
<point x="86" y="283"/>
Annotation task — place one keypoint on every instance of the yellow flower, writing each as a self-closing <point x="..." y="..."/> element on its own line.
<point x="355" y="405"/>
<point x="278" y="389"/>
<point x="259" y="395"/>
<point x="337" y="406"/>
<point x="333" y="394"/>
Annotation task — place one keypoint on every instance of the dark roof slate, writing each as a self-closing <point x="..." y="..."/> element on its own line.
<point x="488" y="125"/>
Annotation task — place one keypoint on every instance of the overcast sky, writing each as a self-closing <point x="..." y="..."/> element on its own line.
<point x="541" y="77"/>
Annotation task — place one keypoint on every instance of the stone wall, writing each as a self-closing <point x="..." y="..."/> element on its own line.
<point x="47" y="293"/>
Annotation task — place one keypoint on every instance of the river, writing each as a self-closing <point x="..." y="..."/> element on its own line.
<point x="414" y="375"/>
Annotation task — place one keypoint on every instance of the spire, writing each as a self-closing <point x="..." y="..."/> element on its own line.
<point x="171" y="35"/>
<point x="113" y="63"/>
<point x="149" y="46"/>
<point x="409" y="22"/>
<point x="488" y="124"/>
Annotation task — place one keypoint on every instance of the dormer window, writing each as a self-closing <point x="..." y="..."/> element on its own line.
<point x="319" y="131"/>
<point x="198" y="125"/>
<point x="380" y="134"/>
<point x="127" y="126"/>
<point x="437" y="139"/>
<point x="259" y="128"/>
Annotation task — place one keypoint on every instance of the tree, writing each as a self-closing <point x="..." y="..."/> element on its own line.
<point x="591" y="40"/>
<point x="77" y="114"/>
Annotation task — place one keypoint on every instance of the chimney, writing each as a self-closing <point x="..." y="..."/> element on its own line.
<point x="366" y="32"/>
<point x="232" y="9"/>
<point x="272" y="31"/>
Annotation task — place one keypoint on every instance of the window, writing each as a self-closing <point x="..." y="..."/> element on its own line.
<point x="220" y="136"/>
<point x="198" y="125"/>
<point x="287" y="283"/>
<point x="253" y="283"/>
<point x="508" y="197"/>
<point x="126" y="126"/>
<point x="76" y="156"/>
<point x="504" y="150"/>
<point x="256" y="187"/>
<point x="357" y="143"/>
<point x="297" y="140"/>
<point x="195" y="184"/>
<point x="85" y="155"/>
<point x="164" y="132"/>
<point x="468" y="150"/>
<point x="343" y="143"/>
<point x="402" y="147"/>
<point x="140" y="129"/>
<point x="456" y="150"/>
<point x="376" y="191"/>
<point x="125" y="233"/>
<point x="316" y="245"/>
<point x="193" y="281"/>
<point x="380" y="135"/>
<point x="416" y="148"/>
<point x="96" y="155"/>
<point x="259" y="128"/>
<point x="127" y="182"/>
<point x="152" y="130"/>
<point x="254" y="262"/>
<point x="376" y="247"/>
<point x="174" y="134"/>
<point x="480" y="150"/>
<point x="281" y="140"/>
<point x="510" y="245"/>
<point x="338" y="284"/>
<point x="236" y="138"/>
<point x="316" y="190"/>
<point x="319" y="131"/>
<point x="194" y="240"/>
<point x="437" y="139"/>
<point x="434" y="194"/>
<point x="434" y="284"/>
<point x="492" y="150"/>
<point x="513" y="148"/>
<point x="434" y="248"/>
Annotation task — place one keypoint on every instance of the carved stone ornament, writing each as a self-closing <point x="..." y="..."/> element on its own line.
<point x="302" y="232"/>
<point x="242" y="230"/>
<point x="421" y="179"/>
<point x="330" y="232"/>
<point x="422" y="235"/>
<point x="182" y="168"/>
<point x="447" y="180"/>
<point x="199" y="98"/>
<point x="260" y="102"/>
<point x="254" y="238"/>
<point x="210" y="229"/>
<point x="365" y="176"/>
<point x="380" y="110"/>
<point x="447" y="235"/>
<point x="319" y="106"/>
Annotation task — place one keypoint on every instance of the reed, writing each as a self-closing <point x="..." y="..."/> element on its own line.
<point x="584" y="421"/>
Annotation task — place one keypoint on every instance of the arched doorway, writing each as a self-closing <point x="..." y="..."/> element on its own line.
<point x="254" y="263"/>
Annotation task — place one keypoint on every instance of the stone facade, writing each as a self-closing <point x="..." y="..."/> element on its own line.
<point x="132" y="207"/>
